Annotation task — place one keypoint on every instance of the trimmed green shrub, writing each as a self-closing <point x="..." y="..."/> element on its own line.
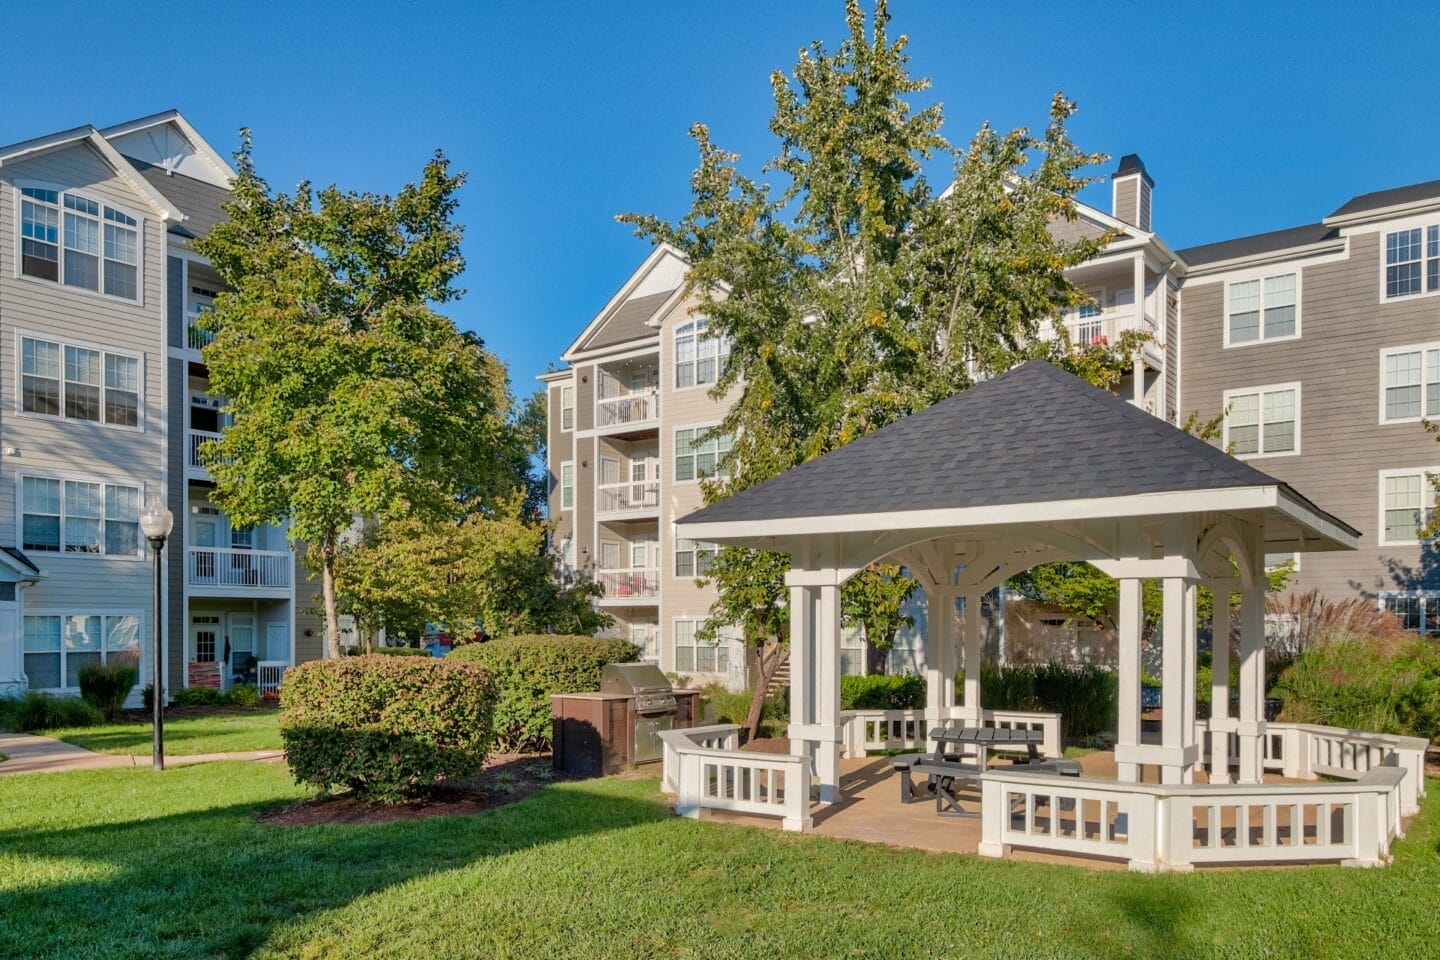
<point x="39" y="711"/>
<point x="197" y="697"/>
<point x="733" y="706"/>
<point x="106" y="686"/>
<point x="1087" y="697"/>
<point x="244" y="695"/>
<point x="529" y="670"/>
<point x="401" y="651"/>
<point x="882" y="692"/>
<point x="385" y="727"/>
<point x="1381" y="684"/>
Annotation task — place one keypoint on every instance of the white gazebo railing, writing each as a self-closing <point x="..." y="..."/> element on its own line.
<point x="704" y="769"/>
<point x="866" y="730"/>
<point x="1157" y="827"/>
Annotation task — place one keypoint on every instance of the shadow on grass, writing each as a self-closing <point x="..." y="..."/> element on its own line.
<point x="1156" y="919"/>
<point x="215" y="882"/>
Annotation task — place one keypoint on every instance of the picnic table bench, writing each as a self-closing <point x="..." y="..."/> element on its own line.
<point x="949" y="768"/>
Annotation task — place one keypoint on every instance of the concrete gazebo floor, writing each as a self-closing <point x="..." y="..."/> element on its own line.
<point x="871" y="811"/>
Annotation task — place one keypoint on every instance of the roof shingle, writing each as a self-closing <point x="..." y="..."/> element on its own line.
<point x="628" y="322"/>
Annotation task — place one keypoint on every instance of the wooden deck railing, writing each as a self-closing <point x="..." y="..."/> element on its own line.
<point x="705" y="770"/>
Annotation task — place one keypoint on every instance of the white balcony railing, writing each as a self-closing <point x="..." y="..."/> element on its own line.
<point x="228" y="567"/>
<point x="636" y="497"/>
<point x="195" y="338"/>
<point x="628" y="409"/>
<point x="198" y="439"/>
<point x="1106" y="328"/>
<point x="633" y="582"/>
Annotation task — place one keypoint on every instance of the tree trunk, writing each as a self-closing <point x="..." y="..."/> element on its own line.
<point x="770" y="659"/>
<point x="874" y="657"/>
<point x="327" y="589"/>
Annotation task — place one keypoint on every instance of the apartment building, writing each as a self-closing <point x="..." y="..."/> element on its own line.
<point x="1312" y="342"/>
<point x="105" y="402"/>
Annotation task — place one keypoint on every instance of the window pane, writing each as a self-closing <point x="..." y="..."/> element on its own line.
<point x="38" y="395"/>
<point x="41" y="495"/>
<point x="39" y="238"/>
<point x="82" y="270"/>
<point x="1402" y="280"/>
<point x="40" y="533"/>
<point x="42" y="634"/>
<point x="82" y="633"/>
<point x="83" y="204"/>
<point x="684" y="562"/>
<point x="40" y="357"/>
<point x="684" y="659"/>
<point x="1244" y="440"/>
<point x="82" y="366"/>
<point x="122" y="408"/>
<point x="121" y="538"/>
<point x="82" y="235"/>
<point x="121" y="280"/>
<point x="43" y="670"/>
<point x="122" y="633"/>
<point x="1402" y="246"/>
<point x="705" y="658"/>
<point x="120" y="244"/>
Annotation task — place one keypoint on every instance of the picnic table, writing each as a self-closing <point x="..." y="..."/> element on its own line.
<point x="979" y="742"/>
<point x="960" y="758"/>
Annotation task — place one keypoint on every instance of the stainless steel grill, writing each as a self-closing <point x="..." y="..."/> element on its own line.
<point x="654" y="699"/>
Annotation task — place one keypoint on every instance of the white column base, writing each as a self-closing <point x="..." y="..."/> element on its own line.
<point x="993" y="850"/>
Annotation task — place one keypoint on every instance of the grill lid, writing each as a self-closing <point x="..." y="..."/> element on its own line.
<point x="633" y="678"/>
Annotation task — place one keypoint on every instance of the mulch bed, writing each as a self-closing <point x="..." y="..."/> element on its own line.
<point x="505" y="779"/>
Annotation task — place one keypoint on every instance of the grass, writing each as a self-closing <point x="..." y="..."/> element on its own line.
<point x="214" y="731"/>
<point x="129" y="864"/>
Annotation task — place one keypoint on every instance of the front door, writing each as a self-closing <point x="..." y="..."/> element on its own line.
<point x="242" y="649"/>
<point x="205" y="651"/>
<point x="277" y="642"/>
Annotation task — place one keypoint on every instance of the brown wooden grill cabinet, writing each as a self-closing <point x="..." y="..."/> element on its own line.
<point x="600" y="733"/>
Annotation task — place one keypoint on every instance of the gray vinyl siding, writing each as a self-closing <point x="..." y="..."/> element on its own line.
<point x="177" y="370"/>
<point x="1343" y="446"/>
<point x="1172" y="351"/>
<point x="49" y="445"/>
<point x="1127" y="203"/>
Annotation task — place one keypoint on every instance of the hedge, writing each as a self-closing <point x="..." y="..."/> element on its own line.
<point x="39" y="711"/>
<point x="385" y="727"/>
<point x="529" y="670"/>
<point x="882" y="692"/>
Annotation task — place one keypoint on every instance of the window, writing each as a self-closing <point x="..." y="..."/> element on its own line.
<point x="1410" y="381"/>
<point x="1274" y="561"/>
<point x="852" y="650"/>
<point x="693" y="558"/>
<point x="699" y="459"/>
<point x="1262" y="309"/>
<point x="79" y="383"/>
<point x="1407" y="503"/>
<point x="699" y="656"/>
<point x="1416" y="611"/>
<point x="567" y="408"/>
<point x="100" y="244"/>
<point x="1412" y="261"/>
<point x="567" y="554"/>
<point x="57" y="646"/>
<point x="567" y="486"/>
<point x="79" y="516"/>
<point x="1263" y="421"/>
<point x="699" y="357"/>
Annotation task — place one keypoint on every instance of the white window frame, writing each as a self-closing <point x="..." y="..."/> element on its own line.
<point x="22" y="335"/>
<point x="1228" y="396"/>
<point x="695" y="477"/>
<point x="139" y="227"/>
<point x="1421" y="596"/>
<point x="1423" y="224"/>
<point x="1385" y="353"/>
<point x="695" y="549"/>
<point x="1380" y="530"/>
<point x="105" y="651"/>
<point x="692" y="330"/>
<point x="567" y="408"/>
<point x="1260" y="276"/>
<point x="567" y="489"/>
<point x="722" y="648"/>
<point x="1291" y="556"/>
<point x="137" y="557"/>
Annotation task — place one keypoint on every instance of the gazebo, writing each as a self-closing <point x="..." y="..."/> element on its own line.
<point x="1031" y="467"/>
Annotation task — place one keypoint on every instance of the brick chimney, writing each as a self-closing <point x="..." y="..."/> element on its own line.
<point x="1131" y="188"/>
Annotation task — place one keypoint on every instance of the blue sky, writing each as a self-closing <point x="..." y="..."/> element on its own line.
<point x="1250" y="117"/>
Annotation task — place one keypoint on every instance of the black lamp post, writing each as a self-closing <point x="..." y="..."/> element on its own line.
<point x="156" y="522"/>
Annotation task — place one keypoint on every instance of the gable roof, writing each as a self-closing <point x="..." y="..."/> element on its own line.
<point x="39" y="146"/>
<point x="201" y="201"/>
<point x="211" y="158"/>
<point x="1035" y="434"/>
<point x="639" y="286"/>
<point x="628" y="323"/>
<point x="1271" y="242"/>
<point x="1393" y="197"/>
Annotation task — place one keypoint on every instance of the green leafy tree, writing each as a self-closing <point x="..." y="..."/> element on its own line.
<point x="489" y="570"/>
<point x="349" y="395"/>
<point x="854" y="294"/>
<point x="875" y="602"/>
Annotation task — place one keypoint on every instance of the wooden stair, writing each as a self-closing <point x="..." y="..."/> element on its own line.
<point x="781" y="680"/>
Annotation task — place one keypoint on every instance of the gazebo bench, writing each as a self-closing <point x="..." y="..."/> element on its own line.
<point x="941" y="776"/>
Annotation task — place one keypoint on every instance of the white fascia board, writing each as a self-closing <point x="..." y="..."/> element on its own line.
<point x="30" y="149"/>
<point x="202" y="146"/>
<point x="660" y="252"/>
<point x="618" y="351"/>
<point x="1307" y="517"/>
<point x="21" y="571"/>
<point x="1309" y="251"/>
<point x="556" y="376"/>
<point x="1427" y="205"/>
<point x="739" y="532"/>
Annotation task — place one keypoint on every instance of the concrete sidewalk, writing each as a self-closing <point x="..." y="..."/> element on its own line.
<point x="27" y="753"/>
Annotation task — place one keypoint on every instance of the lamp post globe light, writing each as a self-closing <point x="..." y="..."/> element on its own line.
<point x="156" y="522"/>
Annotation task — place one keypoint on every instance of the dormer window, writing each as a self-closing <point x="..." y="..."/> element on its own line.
<point x="77" y="241"/>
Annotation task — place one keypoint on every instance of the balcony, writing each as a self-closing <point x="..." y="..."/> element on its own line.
<point x="225" y="571"/>
<point x="628" y="414"/>
<point x="195" y="338"/>
<point x="195" y="441"/>
<point x="619" y="500"/>
<point x="628" y="586"/>
<point x="1106" y="328"/>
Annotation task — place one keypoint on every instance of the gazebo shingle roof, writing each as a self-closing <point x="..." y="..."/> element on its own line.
<point x="1034" y="434"/>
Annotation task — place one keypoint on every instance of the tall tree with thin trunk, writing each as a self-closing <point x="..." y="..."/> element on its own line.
<point x="349" y="396"/>
<point x="855" y="294"/>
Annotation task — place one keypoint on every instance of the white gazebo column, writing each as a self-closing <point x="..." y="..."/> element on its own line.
<point x="815" y="729"/>
<point x="1177" y="714"/>
<point x="974" y="655"/>
<point x="1129" y="755"/>
<point x="1251" y="728"/>
<point x="802" y="665"/>
<point x="939" y="655"/>
<point x="1221" y="725"/>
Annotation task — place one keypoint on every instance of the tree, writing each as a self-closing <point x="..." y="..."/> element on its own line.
<point x="349" y="395"/>
<point x="854" y="294"/>
<point x="493" y="571"/>
<point x="875" y="603"/>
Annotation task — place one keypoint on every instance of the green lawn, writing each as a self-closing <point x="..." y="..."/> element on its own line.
<point x="125" y="863"/>
<point x="217" y="732"/>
